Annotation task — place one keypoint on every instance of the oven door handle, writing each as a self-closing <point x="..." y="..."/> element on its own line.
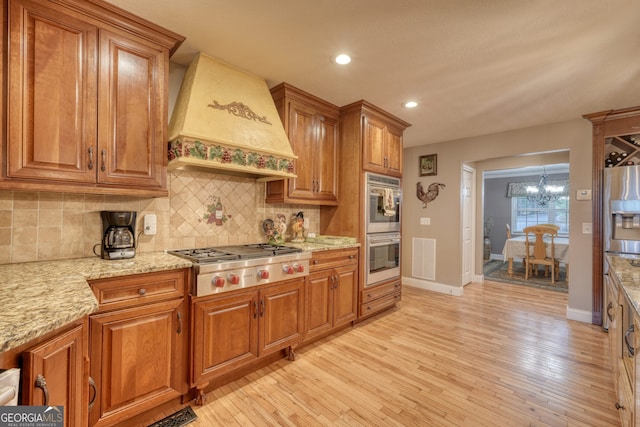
<point x="383" y="241"/>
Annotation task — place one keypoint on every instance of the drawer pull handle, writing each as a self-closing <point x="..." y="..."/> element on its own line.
<point x="92" y="384"/>
<point x="142" y="291"/>
<point x="619" y="406"/>
<point x="179" y="322"/>
<point x="42" y="384"/>
<point x="255" y="309"/>
<point x="609" y="307"/>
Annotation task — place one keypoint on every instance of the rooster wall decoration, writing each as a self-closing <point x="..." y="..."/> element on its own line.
<point x="429" y="195"/>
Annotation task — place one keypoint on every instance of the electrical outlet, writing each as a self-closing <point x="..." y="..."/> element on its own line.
<point x="425" y="221"/>
<point x="150" y="221"/>
<point x="586" y="228"/>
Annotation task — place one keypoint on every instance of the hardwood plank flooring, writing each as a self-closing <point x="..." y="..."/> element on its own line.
<point x="500" y="355"/>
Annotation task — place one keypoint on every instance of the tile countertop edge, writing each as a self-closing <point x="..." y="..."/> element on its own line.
<point x="40" y="297"/>
<point x="628" y="276"/>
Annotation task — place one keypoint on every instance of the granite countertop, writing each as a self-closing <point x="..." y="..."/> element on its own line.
<point x="317" y="247"/>
<point x="627" y="271"/>
<point x="39" y="297"/>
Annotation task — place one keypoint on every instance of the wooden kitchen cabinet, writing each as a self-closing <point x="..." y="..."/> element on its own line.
<point x="331" y="291"/>
<point x="312" y="127"/>
<point x="138" y="344"/>
<point x="55" y="372"/>
<point x="87" y="90"/>
<point x="236" y="328"/>
<point x="374" y="299"/>
<point x="382" y="145"/>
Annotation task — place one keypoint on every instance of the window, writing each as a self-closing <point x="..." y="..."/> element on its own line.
<point x="525" y="213"/>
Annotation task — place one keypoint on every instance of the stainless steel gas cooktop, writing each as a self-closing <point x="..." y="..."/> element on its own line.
<point x="227" y="268"/>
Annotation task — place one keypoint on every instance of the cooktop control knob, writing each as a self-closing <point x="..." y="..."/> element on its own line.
<point x="218" y="281"/>
<point x="233" y="278"/>
<point x="298" y="268"/>
<point x="287" y="269"/>
<point x="263" y="274"/>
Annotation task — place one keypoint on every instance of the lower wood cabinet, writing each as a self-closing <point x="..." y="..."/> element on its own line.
<point x="624" y="342"/>
<point x="374" y="299"/>
<point x="138" y="344"/>
<point x="331" y="291"/>
<point x="55" y="372"/>
<point x="233" y="329"/>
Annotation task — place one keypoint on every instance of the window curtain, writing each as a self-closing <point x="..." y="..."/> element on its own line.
<point x="519" y="189"/>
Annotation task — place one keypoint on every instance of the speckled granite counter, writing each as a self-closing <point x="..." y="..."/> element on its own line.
<point x="315" y="247"/>
<point x="39" y="297"/>
<point x="628" y="275"/>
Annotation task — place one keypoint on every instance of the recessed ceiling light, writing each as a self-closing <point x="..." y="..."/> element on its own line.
<point x="410" y="104"/>
<point x="343" y="59"/>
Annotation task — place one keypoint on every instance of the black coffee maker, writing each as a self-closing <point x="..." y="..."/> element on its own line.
<point x="118" y="237"/>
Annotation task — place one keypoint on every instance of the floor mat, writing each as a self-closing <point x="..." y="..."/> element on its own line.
<point x="496" y="270"/>
<point x="181" y="418"/>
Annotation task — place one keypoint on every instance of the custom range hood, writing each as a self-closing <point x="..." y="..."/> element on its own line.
<point x="225" y="120"/>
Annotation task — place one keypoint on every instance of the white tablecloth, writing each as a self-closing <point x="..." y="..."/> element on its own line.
<point x="514" y="248"/>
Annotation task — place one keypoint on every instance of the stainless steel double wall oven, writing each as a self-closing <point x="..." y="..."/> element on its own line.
<point x="382" y="210"/>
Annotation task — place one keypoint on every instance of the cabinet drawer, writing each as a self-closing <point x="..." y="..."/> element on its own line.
<point x="370" y="294"/>
<point x="379" y="304"/>
<point x="139" y="289"/>
<point x="333" y="258"/>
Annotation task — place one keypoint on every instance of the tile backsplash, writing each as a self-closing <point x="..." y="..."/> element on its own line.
<point x="48" y="226"/>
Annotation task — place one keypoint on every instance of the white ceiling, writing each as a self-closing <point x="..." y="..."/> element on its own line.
<point x="476" y="66"/>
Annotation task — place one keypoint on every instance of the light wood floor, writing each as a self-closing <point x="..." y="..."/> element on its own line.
<point x="500" y="355"/>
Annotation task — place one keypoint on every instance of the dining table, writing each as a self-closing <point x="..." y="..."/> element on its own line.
<point x="515" y="248"/>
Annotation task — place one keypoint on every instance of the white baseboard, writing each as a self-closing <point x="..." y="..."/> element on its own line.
<point x="579" y="315"/>
<point x="432" y="286"/>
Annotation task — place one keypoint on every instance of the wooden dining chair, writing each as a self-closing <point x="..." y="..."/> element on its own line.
<point x="540" y="252"/>
<point x="508" y="231"/>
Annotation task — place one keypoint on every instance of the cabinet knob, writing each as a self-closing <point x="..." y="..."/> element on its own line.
<point x="142" y="291"/>
<point x="352" y="256"/>
<point x="315" y="261"/>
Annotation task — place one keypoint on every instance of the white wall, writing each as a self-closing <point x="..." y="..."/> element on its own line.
<point x="445" y="211"/>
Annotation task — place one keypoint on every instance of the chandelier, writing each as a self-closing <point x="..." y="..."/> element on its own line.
<point x="543" y="193"/>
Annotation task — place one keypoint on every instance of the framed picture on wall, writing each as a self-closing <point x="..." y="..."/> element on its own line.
<point x="428" y="165"/>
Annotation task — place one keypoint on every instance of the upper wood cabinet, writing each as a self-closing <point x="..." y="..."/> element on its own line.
<point x="87" y="89"/>
<point x="312" y="127"/>
<point x="382" y="146"/>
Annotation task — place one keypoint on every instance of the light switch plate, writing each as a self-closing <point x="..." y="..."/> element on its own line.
<point x="586" y="228"/>
<point x="583" y="194"/>
<point x="425" y="221"/>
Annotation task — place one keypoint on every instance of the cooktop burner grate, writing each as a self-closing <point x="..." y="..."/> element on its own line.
<point x="237" y="252"/>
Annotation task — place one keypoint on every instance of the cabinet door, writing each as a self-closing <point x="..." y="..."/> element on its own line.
<point x="374" y="145"/>
<point x="51" y="131"/>
<point x="303" y="135"/>
<point x="393" y="149"/>
<point x="345" y="302"/>
<point x="281" y="316"/>
<point x="326" y="159"/>
<point x="137" y="359"/>
<point x="57" y="366"/>
<point x="319" y="306"/>
<point x="131" y="138"/>
<point x="227" y="333"/>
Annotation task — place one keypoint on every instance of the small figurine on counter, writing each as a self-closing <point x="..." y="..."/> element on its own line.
<point x="298" y="228"/>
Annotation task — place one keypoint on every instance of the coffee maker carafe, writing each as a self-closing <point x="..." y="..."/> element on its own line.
<point x="118" y="237"/>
